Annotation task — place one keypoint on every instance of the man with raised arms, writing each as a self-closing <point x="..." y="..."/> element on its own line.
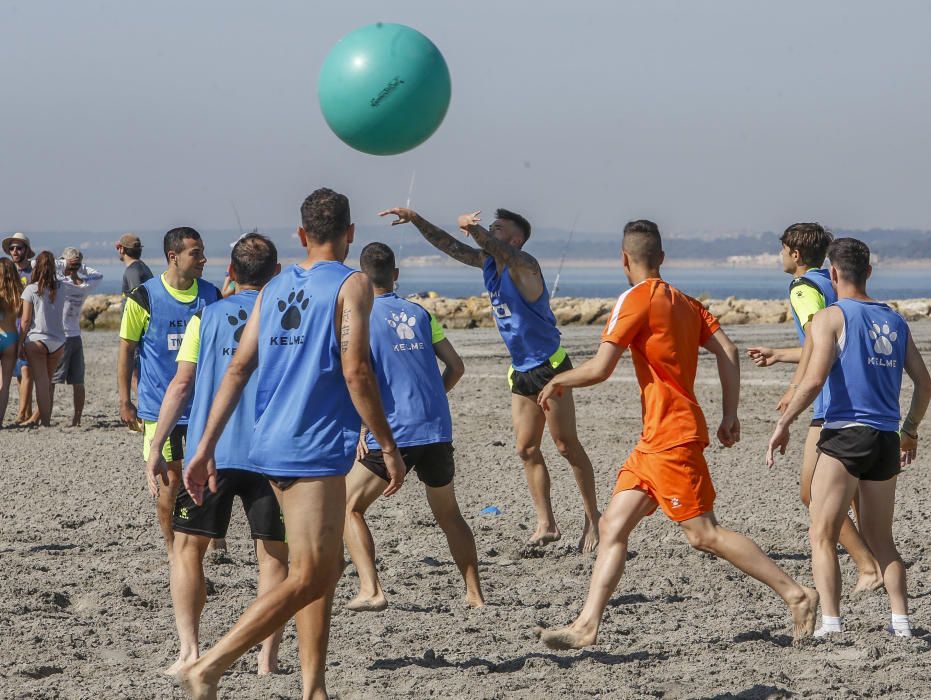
<point x="664" y="329"/>
<point x="406" y="343"/>
<point x="310" y="344"/>
<point x="521" y="307"/>
<point x="859" y="348"/>
<point x="804" y="247"/>
<point x="209" y="344"/>
<point x="154" y="318"/>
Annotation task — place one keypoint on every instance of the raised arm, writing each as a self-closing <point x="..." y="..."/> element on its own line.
<point x="438" y="237"/>
<point x="354" y="306"/>
<point x="522" y="266"/>
<point x="728" y="359"/>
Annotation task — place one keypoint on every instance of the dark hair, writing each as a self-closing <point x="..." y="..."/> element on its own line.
<point x="45" y="274"/>
<point x="174" y="239"/>
<point x="134" y="253"/>
<point x="643" y="243"/>
<point x="11" y="287"/>
<point x="851" y="259"/>
<point x="515" y="218"/>
<point x="377" y="261"/>
<point x="325" y="215"/>
<point x="811" y="240"/>
<point x="254" y="258"/>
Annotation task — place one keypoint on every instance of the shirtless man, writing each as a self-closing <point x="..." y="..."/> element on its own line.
<point x="520" y="304"/>
<point x="664" y="329"/>
<point x="309" y="341"/>
<point x="406" y="343"/>
<point x="859" y="348"/>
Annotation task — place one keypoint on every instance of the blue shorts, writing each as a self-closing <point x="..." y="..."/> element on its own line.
<point x="7" y="340"/>
<point x="19" y="365"/>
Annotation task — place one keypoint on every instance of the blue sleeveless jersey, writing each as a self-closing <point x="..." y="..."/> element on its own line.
<point x="305" y="423"/>
<point x="821" y="279"/>
<point x="158" y="348"/>
<point x="528" y="330"/>
<point x="221" y="326"/>
<point x="866" y="378"/>
<point x="409" y="378"/>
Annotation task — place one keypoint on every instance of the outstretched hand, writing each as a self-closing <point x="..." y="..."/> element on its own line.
<point x="467" y="220"/>
<point x="550" y="391"/>
<point x="762" y="356"/>
<point x="779" y="441"/>
<point x="200" y="475"/>
<point x="729" y="431"/>
<point x="404" y="215"/>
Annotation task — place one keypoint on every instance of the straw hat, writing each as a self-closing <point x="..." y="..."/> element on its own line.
<point x="21" y="238"/>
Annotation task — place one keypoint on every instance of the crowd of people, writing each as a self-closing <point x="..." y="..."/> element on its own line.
<point x="311" y="391"/>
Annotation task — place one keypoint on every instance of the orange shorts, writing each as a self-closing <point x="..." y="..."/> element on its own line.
<point x="677" y="479"/>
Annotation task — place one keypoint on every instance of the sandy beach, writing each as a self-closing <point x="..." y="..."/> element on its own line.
<point x="85" y="610"/>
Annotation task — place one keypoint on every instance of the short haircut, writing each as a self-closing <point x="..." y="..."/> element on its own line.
<point x="643" y="243"/>
<point x="134" y="253"/>
<point x="325" y="215"/>
<point x="174" y="239"/>
<point x="254" y="258"/>
<point x="513" y="217"/>
<point x="377" y="261"/>
<point x="811" y="240"/>
<point x="851" y="258"/>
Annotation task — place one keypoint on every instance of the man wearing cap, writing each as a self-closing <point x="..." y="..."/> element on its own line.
<point x="77" y="282"/>
<point x="19" y="249"/>
<point x="129" y="248"/>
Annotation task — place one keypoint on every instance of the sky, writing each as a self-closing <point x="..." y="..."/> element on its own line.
<point x="725" y="116"/>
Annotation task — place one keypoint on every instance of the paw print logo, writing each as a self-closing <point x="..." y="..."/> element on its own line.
<point x="291" y="318"/>
<point x="882" y="338"/>
<point x="238" y="320"/>
<point x="403" y="325"/>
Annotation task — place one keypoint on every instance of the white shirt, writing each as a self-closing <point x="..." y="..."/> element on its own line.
<point x="75" y="295"/>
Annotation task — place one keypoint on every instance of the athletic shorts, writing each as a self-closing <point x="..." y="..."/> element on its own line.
<point x="71" y="368"/>
<point x="174" y="445"/>
<point x="677" y="479"/>
<point x="530" y="383"/>
<point x="866" y="453"/>
<point x="212" y="519"/>
<point x="433" y="463"/>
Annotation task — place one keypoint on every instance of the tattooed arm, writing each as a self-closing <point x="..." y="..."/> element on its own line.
<point x="353" y="307"/>
<point x="523" y="267"/>
<point x="438" y="237"/>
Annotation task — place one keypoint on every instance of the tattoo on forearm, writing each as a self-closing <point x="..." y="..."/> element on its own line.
<point x="344" y="332"/>
<point x="505" y="253"/>
<point x="449" y="245"/>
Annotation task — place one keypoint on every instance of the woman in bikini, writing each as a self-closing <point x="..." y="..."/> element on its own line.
<point x="11" y="289"/>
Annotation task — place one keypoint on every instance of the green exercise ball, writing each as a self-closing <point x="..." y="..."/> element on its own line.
<point x="384" y="89"/>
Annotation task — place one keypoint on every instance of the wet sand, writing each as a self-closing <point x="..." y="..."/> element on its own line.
<point x="85" y="609"/>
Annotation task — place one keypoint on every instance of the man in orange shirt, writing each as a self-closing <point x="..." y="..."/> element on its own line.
<point x="664" y="329"/>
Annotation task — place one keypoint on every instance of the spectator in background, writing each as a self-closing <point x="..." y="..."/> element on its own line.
<point x="129" y="248"/>
<point x="11" y="291"/>
<point x="77" y="282"/>
<point x="19" y="249"/>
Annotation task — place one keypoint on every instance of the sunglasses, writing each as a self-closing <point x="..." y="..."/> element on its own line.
<point x="17" y="247"/>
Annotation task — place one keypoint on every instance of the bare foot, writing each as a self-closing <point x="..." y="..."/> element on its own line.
<point x="474" y="600"/>
<point x="361" y="603"/>
<point x="589" y="540"/>
<point x="544" y="535"/>
<point x="868" y="583"/>
<point x="196" y="687"/>
<point x="174" y="668"/>
<point x="267" y="666"/>
<point x="76" y="422"/>
<point x="804" y="614"/>
<point x="565" y="638"/>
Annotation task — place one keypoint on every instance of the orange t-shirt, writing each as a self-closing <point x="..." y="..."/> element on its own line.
<point x="663" y="329"/>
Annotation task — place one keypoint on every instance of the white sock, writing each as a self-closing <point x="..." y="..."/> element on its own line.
<point x="830" y="625"/>
<point x="901" y="626"/>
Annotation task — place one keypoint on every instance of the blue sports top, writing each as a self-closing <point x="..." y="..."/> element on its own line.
<point x="158" y="347"/>
<point x="820" y="279"/>
<point x="305" y="423"/>
<point x="409" y="378"/>
<point x="528" y="330"/>
<point x="866" y="378"/>
<point x="221" y="326"/>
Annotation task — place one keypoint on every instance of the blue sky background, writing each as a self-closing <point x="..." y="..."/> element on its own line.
<point x="723" y="116"/>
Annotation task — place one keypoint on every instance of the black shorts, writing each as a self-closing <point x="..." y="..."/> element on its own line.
<point x="816" y="423"/>
<point x="867" y="453"/>
<point x="433" y="463"/>
<point x="530" y="383"/>
<point x="212" y="519"/>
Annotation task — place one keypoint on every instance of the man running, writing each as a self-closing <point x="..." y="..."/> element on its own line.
<point x="209" y="343"/>
<point x="154" y="319"/>
<point x="19" y="248"/>
<point x="310" y="343"/>
<point x="859" y="348"/>
<point x="406" y="342"/>
<point x="520" y="304"/>
<point x="664" y="329"/>
<point x="804" y="247"/>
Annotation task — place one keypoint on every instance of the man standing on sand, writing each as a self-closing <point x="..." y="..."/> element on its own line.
<point x="859" y="348"/>
<point x="19" y="248"/>
<point x="406" y="343"/>
<point x="154" y="319"/>
<point x="804" y="247"/>
<point x="207" y="348"/>
<point x="309" y="341"/>
<point x="521" y="307"/>
<point x="129" y="248"/>
<point x="664" y="330"/>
